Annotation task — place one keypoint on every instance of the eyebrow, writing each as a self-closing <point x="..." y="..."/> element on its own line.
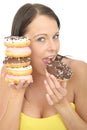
<point x="39" y="35"/>
<point x="43" y="34"/>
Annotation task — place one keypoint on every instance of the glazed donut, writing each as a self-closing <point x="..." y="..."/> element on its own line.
<point x="60" y="70"/>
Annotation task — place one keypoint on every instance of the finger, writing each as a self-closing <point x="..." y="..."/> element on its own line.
<point x="63" y="91"/>
<point x="48" y="88"/>
<point x="55" y="90"/>
<point x="56" y="93"/>
<point x="61" y="86"/>
<point x="57" y="87"/>
<point x="51" y="93"/>
<point x="27" y="83"/>
<point x="18" y="85"/>
<point x="49" y="99"/>
<point x="21" y="84"/>
<point x="3" y="74"/>
<point x="49" y="80"/>
<point x="55" y="81"/>
<point x="64" y="84"/>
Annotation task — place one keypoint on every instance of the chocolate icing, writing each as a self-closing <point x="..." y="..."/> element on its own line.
<point x="59" y="69"/>
<point x="16" y="60"/>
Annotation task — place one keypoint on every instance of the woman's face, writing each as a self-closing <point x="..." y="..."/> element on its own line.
<point x="44" y="35"/>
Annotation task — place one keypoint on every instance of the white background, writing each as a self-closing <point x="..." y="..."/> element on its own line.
<point x="73" y="18"/>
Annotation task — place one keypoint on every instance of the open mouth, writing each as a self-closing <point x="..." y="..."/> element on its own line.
<point x="49" y="59"/>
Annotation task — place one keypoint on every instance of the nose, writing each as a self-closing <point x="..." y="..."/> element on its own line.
<point x="53" y="45"/>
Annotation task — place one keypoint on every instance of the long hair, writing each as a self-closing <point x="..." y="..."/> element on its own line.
<point x="26" y="14"/>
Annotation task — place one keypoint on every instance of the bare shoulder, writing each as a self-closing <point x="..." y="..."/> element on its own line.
<point x="78" y="64"/>
<point x="79" y="68"/>
<point x="80" y="77"/>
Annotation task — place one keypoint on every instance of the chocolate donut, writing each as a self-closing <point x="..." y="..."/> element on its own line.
<point x="17" y="62"/>
<point x="59" y="69"/>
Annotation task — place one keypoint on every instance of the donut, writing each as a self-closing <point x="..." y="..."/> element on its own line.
<point x="59" y="69"/>
<point x="17" y="74"/>
<point x="16" y="41"/>
<point x="20" y="71"/>
<point x="18" y="52"/>
<point x="17" y="62"/>
<point x="17" y="59"/>
<point x="17" y="46"/>
<point x="16" y="79"/>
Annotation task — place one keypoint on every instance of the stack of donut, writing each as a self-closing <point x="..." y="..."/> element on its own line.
<point x="17" y="60"/>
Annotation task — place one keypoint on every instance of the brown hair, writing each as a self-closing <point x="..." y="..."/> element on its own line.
<point x="26" y="14"/>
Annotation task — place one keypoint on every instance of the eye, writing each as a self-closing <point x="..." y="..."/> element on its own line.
<point x="56" y="36"/>
<point x="41" y="39"/>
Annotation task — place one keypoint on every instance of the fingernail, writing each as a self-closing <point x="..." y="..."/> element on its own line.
<point x="52" y="76"/>
<point x="64" y="84"/>
<point x="47" y="74"/>
<point x="11" y="84"/>
<point x="22" y="81"/>
<point x="45" y="81"/>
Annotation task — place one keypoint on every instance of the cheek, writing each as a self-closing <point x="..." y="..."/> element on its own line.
<point x="58" y="46"/>
<point x="35" y="54"/>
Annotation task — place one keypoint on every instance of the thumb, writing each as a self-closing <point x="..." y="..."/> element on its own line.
<point x="64" y="84"/>
<point x="3" y="72"/>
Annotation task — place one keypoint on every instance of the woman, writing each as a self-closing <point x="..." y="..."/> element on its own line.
<point x="45" y="104"/>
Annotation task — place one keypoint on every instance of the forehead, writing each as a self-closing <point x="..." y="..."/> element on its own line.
<point x="42" y="23"/>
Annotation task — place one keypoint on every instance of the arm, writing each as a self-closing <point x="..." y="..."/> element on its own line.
<point x="78" y="118"/>
<point x="12" y="100"/>
<point x="74" y="120"/>
<point x="11" y="117"/>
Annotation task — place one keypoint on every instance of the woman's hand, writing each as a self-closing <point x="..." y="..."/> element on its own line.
<point x="21" y="84"/>
<point x="56" y="91"/>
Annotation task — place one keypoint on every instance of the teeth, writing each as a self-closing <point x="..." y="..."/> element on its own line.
<point x="51" y="57"/>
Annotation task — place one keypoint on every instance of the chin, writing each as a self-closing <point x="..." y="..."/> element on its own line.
<point x="39" y="70"/>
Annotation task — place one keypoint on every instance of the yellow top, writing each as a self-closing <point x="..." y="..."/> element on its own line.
<point x="50" y="123"/>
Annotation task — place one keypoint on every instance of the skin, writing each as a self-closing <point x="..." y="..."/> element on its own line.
<point x="46" y="96"/>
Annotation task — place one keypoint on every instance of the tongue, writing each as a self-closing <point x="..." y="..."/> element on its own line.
<point x="47" y="60"/>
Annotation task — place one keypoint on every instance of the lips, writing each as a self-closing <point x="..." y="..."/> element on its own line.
<point x="48" y="59"/>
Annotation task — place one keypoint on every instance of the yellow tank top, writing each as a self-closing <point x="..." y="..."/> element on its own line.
<point x="50" y="123"/>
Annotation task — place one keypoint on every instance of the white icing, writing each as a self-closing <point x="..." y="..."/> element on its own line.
<point x="13" y="39"/>
<point x="21" y="68"/>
